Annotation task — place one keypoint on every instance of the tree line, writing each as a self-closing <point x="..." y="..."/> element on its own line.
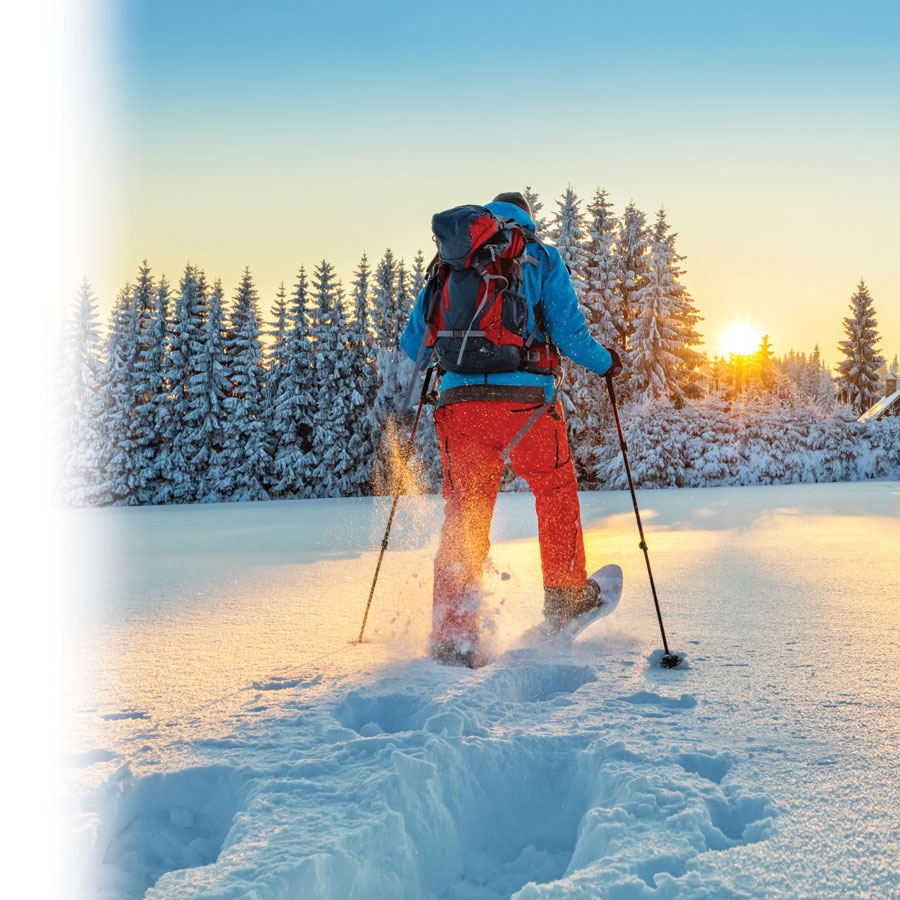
<point x="190" y="396"/>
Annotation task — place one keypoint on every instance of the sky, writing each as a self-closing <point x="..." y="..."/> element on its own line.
<point x="274" y="135"/>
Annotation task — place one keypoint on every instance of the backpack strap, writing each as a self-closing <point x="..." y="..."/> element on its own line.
<point x="558" y="377"/>
<point x="421" y="362"/>
<point x="480" y="269"/>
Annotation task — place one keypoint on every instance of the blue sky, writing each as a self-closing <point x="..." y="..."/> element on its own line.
<point x="276" y="134"/>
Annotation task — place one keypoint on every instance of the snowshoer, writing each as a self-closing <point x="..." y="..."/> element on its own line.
<point x="488" y="410"/>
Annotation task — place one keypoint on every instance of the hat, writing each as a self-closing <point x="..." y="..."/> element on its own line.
<point x="513" y="197"/>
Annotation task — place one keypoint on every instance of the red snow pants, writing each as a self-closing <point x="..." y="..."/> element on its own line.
<point x="472" y="435"/>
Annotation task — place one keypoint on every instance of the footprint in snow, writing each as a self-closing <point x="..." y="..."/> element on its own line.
<point x="685" y="701"/>
<point x="535" y="684"/>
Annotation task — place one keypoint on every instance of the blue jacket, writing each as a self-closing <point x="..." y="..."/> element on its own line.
<point x="548" y="284"/>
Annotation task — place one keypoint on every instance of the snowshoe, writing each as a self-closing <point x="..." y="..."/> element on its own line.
<point x="570" y="611"/>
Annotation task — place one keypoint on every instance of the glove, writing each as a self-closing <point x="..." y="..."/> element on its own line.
<point x="616" y="366"/>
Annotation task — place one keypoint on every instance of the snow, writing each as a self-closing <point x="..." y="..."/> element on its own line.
<point x="225" y="739"/>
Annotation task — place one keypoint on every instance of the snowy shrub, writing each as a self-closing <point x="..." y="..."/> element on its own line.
<point x="751" y="441"/>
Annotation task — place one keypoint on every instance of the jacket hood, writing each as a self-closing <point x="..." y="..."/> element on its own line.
<point x="511" y="211"/>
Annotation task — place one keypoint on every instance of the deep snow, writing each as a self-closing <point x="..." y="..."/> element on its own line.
<point x="224" y="739"/>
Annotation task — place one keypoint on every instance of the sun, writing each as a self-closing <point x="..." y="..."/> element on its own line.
<point x="741" y="339"/>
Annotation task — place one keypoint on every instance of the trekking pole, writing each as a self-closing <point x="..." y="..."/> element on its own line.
<point x="669" y="659"/>
<point x="384" y="542"/>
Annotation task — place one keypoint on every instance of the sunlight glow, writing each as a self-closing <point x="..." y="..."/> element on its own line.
<point x="741" y="339"/>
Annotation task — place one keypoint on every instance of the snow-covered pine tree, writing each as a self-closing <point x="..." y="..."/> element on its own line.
<point x="602" y="273"/>
<point x="276" y="358"/>
<point x="245" y="458"/>
<point x="569" y="236"/>
<point x="858" y="383"/>
<point x="360" y="383"/>
<point x="210" y="387"/>
<point x="632" y="247"/>
<point x="764" y="371"/>
<point x="80" y="401"/>
<point x="687" y="376"/>
<point x="146" y="439"/>
<point x="541" y="225"/>
<point x="589" y="244"/>
<point x="821" y="384"/>
<point x="161" y="366"/>
<point x="404" y="301"/>
<point x="187" y="341"/>
<point x="276" y="368"/>
<point x="391" y="302"/>
<point x="655" y="337"/>
<point x="794" y="366"/>
<point x="417" y="275"/>
<point x="294" y="404"/>
<point x="331" y="475"/>
<point x="115" y="477"/>
<point x="384" y="302"/>
<point x="426" y="462"/>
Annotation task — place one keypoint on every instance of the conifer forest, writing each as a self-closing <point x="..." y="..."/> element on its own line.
<point x="192" y="393"/>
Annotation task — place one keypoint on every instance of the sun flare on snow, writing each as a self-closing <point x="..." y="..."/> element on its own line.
<point x="741" y="339"/>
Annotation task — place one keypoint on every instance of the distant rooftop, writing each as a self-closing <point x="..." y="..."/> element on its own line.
<point x="888" y="406"/>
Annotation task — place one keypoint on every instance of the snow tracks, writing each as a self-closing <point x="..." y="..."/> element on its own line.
<point x="537" y="777"/>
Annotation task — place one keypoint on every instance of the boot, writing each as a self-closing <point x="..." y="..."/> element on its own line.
<point x="563" y="604"/>
<point x="448" y="654"/>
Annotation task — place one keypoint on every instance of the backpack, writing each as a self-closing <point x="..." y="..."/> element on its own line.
<point x="476" y="314"/>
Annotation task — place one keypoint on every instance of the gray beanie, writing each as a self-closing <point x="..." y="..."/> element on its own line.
<point x="513" y="197"/>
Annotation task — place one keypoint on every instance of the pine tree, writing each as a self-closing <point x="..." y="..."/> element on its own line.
<point x="655" y="338"/>
<point x="360" y="384"/>
<point x="210" y="388"/>
<point x="602" y="273"/>
<point x="417" y="275"/>
<point x="587" y="249"/>
<point x="331" y="475"/>
<point x="145" y="437"/>
<point x="541" y="225"/>
<point x="765" y="374"/>
<point x="739" y="376"/>
<point x="384" y="302"/>
<point x="80" y="400"/>
<point x="276" y="356"/>
<point x="821" y="384"/>
<point x="245" y="454"/>
<point x="686" y="376"/>
<point x="569" y="236"/>
<point x="160" y="369"/>
<point x="276" y="369"/>
<point x="633" y="251"/>
<point x="188" y="340"/>
<point x="390" y="422"/>
<point x="858" y="382"/>
<point x="115" y="478"/>
<point x="403" y="304"/>
<point x="294" y="405"/>
<point x="717" y="375"/>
